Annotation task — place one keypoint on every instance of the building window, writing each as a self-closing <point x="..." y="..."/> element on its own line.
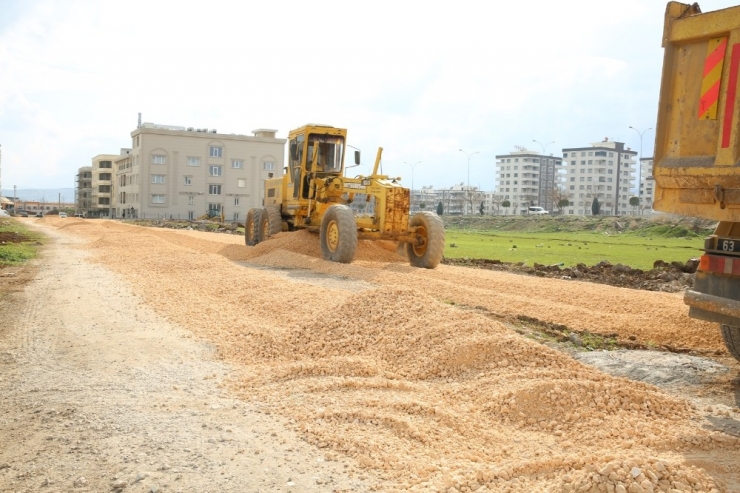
<point x="159" y="179"/>
<point x="103" y="200"/>
<point x="268" y="166"/>
<point x="214" y="207"/>
<point x="241" y="183"/>
<point x="105" y="164"/>
<point x="193" y="161"/>
<point x="215" y="170"/>
<point x="237" y="163"/>
<point x="236" y="216"/>
<point x="236" y="200"/>
<point x="191" y="215"/>
<point x="187" y="180"/>
<point x="214" y="189"/>
<point x="191" y="200"/>
<point x="104" y="188"/>
<point x="216" y="151"/>
<point x="157" y="159"/>
<point x="104" y="176"/>
<point x="158" y="199"/>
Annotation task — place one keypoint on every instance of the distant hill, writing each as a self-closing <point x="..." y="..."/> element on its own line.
<point x="50" y="195"/>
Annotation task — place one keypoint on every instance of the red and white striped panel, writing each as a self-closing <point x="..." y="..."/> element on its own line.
<point x="719" y="264"/>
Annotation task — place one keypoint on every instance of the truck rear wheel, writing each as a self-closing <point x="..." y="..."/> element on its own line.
<point x="338" y="234"/>
<point x="731" y="335"/>
<point x="251" y="226"/>
<point x="270" y="223"/>
<point x="428" y="247"/>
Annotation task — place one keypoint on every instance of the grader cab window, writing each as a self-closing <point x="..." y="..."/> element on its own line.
<point x="329" y="156"/>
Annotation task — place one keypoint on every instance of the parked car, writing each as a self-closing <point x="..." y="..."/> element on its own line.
<point x="23" y="214"/>
<point x="79" y="215"/>
<point x="39" y="214"/>
<point x="62" y="215"/>
<point x="4" y="213"/>
<point x="537" y="211"/>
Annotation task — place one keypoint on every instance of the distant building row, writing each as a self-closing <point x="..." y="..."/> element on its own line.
<point x="606" y="171"/>
<point x="187" y="173"/>
<point x="180" y="172"/>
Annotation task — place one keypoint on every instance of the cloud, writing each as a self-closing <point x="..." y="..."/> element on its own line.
<point x="420" y="78"/>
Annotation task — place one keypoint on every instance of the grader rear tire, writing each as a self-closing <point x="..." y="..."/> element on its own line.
<point x="338" y="235"/>
<point x="426" y="252"/>
<point x="251" y="227"/>
<point x="271" y="223"/>
<point x="731" y="336"/>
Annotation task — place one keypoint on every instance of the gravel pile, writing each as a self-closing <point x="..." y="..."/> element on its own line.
<point x="399" y="379"/>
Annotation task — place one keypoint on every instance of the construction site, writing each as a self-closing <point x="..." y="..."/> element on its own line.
<point x="146" y="359"/>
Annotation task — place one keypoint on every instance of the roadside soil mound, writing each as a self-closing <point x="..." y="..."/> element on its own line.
<point x="671" y="277"/>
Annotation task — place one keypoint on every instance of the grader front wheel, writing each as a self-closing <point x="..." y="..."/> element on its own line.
<point x="428" y="246"/>
<point x="338" y="235"/>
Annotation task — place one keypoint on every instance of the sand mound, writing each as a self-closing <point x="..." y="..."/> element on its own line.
<point x="307" y="243"/>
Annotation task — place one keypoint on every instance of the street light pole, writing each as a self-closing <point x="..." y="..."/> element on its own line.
<point x="468" y="184"/>
<point x="413" y="166"/>
<point x="544" y="150"/>
<point x="639" y="166"/>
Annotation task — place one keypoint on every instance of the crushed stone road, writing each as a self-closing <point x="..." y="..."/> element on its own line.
<point x="135" y="345"/>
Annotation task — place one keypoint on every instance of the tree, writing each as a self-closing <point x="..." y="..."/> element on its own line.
<point x="595" y="207"/>
<point x="472" y="197"/>
<point x="495" y="203"/>
<point x="635" y="202"/>
<point x="505" y="204"/>
<point x="422" y="206"/>
<point x="559" y="197"/>
<point x="440" y="208"/>
<point x="480" y="209"/>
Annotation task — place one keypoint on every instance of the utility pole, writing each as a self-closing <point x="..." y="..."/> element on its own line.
<point x="412" y="180"/>
<point x="639" y="167"/>
<point x="468" y="183"/>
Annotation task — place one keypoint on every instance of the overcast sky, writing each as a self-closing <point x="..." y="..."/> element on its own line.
<point x="422" y="79"/>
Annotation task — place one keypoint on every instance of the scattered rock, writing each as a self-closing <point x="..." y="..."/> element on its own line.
<point x="575" y="339"/>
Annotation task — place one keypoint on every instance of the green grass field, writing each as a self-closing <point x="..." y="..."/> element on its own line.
<point x="638" y="247"/>
<point x="18" y="244"/>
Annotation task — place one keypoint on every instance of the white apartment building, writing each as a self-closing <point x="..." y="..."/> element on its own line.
<point x="527" y="178"/>
<point x="605" y="171"/>
<point x="647" y="184"/>
<point x="185" y="173"/>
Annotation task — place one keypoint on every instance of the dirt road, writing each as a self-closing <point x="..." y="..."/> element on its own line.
<point x="407" y="377"/>
<point x="100" y="393"/>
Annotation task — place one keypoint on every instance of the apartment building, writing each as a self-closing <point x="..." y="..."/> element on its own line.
<point x="603" y="170"/>
<point x="93" y="185"/>
<point x="527" y="178"/>
<point x="647" y="184"/>
<point x="83" y="189"/>
<point x="185" y="173"/>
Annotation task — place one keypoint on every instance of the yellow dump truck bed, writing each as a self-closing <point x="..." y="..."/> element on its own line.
<point x="697" y="148"/>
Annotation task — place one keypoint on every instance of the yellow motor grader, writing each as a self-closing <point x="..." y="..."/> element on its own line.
<point x="314" y="194"/>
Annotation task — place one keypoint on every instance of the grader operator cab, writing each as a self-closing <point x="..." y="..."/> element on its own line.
<point x="314" y="194"/>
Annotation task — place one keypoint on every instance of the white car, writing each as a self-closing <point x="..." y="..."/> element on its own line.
<point x="4" y="213"/>
<point x="537" y="211"/>
<point x="62" y="215"/>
